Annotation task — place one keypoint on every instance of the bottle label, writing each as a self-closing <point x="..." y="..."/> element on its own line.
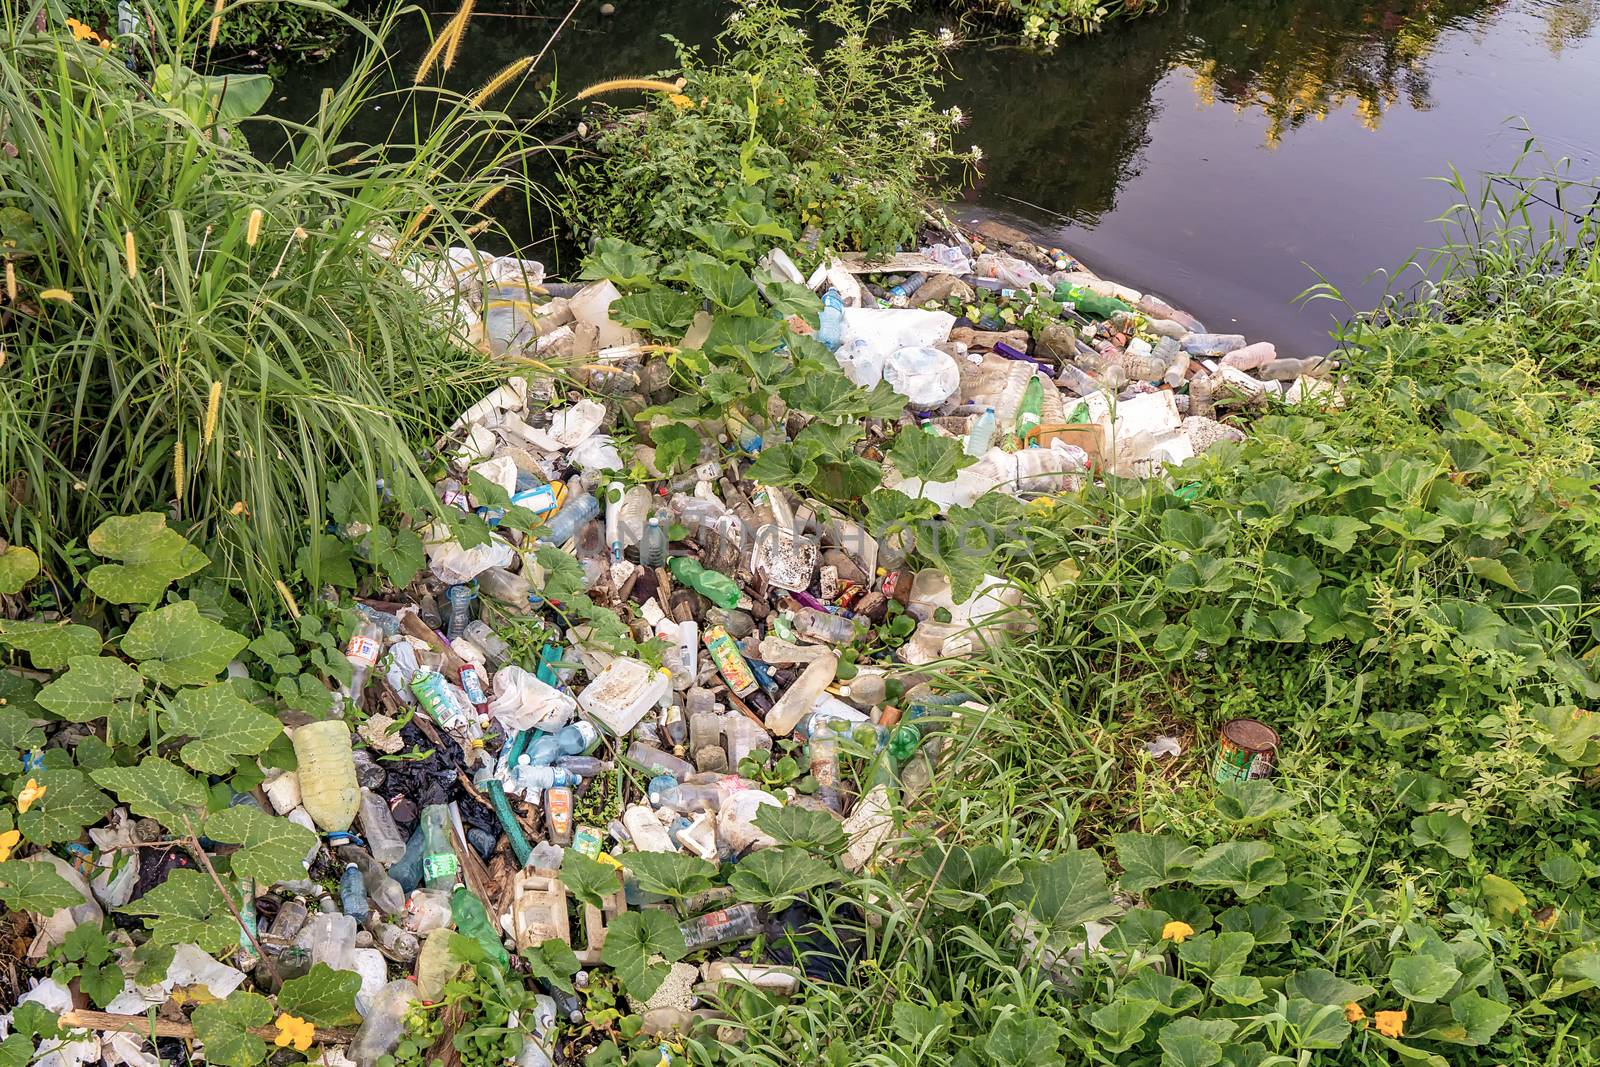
<point x="725" y="654"/>
<point x="440" y="865"/>
<point x="362" y="650"/>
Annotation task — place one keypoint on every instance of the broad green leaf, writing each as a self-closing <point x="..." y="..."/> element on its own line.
<point x="779" y="874"/>
<point x="1140" y="929"/>
<point x="1474" y="1017"/>
<point x="1413" y="524"/>
<point x="961" y="877"/>
<point x="664" y="312"/>
<point x="1397" y="726"/>
<point x="724" y="241"/>
<point x="17" y="729"/>
<point x="880" y="402"/>
<point x="727" y="286"/>
<point x="1191" y="530"/>
<point x="624" y="263"/>
<point x="1213" y="624"/>
<point x="553" y="961"/>
<point x="152" y="557"/>
<point x="1191" y="1042"/>
<point x="670" y="873"/>
<point x="1065" y="892"/>
<point x="1293" y="577"/>
<point x="187" y="907"/>
<point x="1201" y="573"/>
<point x="271" y="849"/>
<point x="32" y="885"/>
<point x="1217" y="954"/>
<point x="90" y="688"/>
<point x="677" y="446"/>
<point x="1238" y="989"/>
<point x="1417" y="790"/>
<point x="825" y="395"/>
<point x="589" y="880"/>
<point x="1151" y="860"/>
<point x="1443" y="830"/>
<point x="740" y="336"/>
<point x="792" y="298"/>
<point x="1285" y="625"/>
<point x="916" y="454"/>
<point x="225" y="1028"/>
<point x="1337" y="532"/>
<point x="331" y="559"/>
<point x="849" y="479"/>
<point x="915" y="1024"/>
<point x="1402" y="479"/>
<point x="18" y="567"/>
<point x="889" y="510"/>
<point x="1561" y="869"/>
<point x="1501" y="896"/>
<point x="1325" y="987"/>
<point x="790" y="824"/>
<point x="158" y="789"/>
<point x="1315" y="1025"/>
<point x="70" y="803"/>
<point x="176" y="645"/>
<point x="1276" y="497"/>
<point x="1493" y="570"/>
<point x="783" y="464"/>
<point x="1267" y="923"/>
<point x="207" y="98"/>
<point x="1170" y="995"/>
<point x="1578" y="969"/>
<point x="1022" y="1041"/>
<point x="399" y="555"/>
<point x="1247" y="867"/>
<point x="222" y="726"/>
<point x="322" y="997"/>
<point x="632" y="939"/>
<point x="1251" y="801"/>
<point x="1423" y="979"/>
<point x="1121" y="1023"/>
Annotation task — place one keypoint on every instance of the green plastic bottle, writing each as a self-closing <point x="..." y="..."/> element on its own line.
<point x="713" y="585"/>
<point x="1030" y="409"/>
<point x="472" y="920"/>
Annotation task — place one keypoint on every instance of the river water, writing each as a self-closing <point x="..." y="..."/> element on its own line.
<point x="1216" y="152"/>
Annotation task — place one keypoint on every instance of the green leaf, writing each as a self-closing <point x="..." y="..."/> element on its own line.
<point x="783" y="464"/>
<point x="626" y="264"/>
<point x="225" y="1028"/>
<point x="271" y="849"/>
<point x="632" y="939"/>
<point x="1201" y="573"/>
<point x="1276" y="497"/>
<point x="1151" y="860"/>
<point x="1121" y="1023"/>
<point x="589" y="880"/>
<point x="829" y="440"/>
<point x="916" y="454"/>
<point x="914" y="1024"/>
<point x="1217" y="955"/>
<point x="1337" y="532"/>
<point x="400" y="555"/>
<point x="1023" y="1041"/>
<point x="790" y="824"/>
<point x="17" y="730"/>
<point x="889" y="510"/>
<point x="322" y="997"/>
<point x="70" y="803"/>
<point x="331" y="560"/>
<point x="152" y="558"/>
<point x="212" y="98"/>
<point x="825" y="394"/>
<point x="670" y="873"/>
<point x="1066" y="892"/>
<point x="1191" y="530"/>
<point x="158" y="789"/>
<point x="222" y="725"/>
<point x="188" y="908"/>
<point x="677" y="446"/>
<point x="554" y="962"/>
<point x="1324" y="987"/>
<point x="728" y="287"/>
<point x="779" y="874"/>
<point x="1443" y="830"/>
<point x="30" y="885"/>
<point x="18" y="567"/>
<point x="1493" y="570"/>
<point x="1191" y="1042"/>
<point x="1267" y="923"/>
<point x="102" y="983"/>
<point x="1247" y="867"/>
<point x="1502" y="897"/>
<point x="1286" y="625"/>
<point x="1475" y="1019"/>
<point x="1238" y="989"/>
<point x="1315" y="1025"/>
<point x="792" y="298"/>
<point x="1423" y="979"/>
<point x="1251" y="801"/>
<point x="90" y="688"/>
<point x="176" y="645"/>
<point x="1561" y="869"/>
<point x="664" y="312"/>
<point x="739" y="336"/>
<point x="849" y="479"/>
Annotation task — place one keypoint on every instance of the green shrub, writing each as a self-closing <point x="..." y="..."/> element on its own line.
<point x="844" y="142"/>
<point x="263" y="31"/>
<point x="1044" y="22"/>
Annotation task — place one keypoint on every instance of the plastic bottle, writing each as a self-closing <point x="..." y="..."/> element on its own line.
<point x="801" y="696"/>
<point x="331" y="939"/>
<point x="530" y="781"/>
<point x="981" y="434"/>
<point x="383" y="892"/>
<point x="1031" y="407"/>
<point x="738" y="923"/>
<point x="482" y="634"/>
<point x="328" y="788"/>
<point x="353" y="894"/>
<point x="1018" y="377"/>
<point x="439" y="861"/>
<point x="822" y="748"/>
<point x="558" y="815"/>
<point x="472" y="920"/>
<point x="583" y="766"/>
<point x="436" y="965"/>
<point x="900" y="295"/>
<point x="830" y="323"/>
<point x="399" y="945"/>
<point x="385" y="1022"/>
<point x="653" y="544"/>
<point x="810" y="624"/>
<point x="407" y="871"/>
<point x="579" y="509"/>
<point x="658" y="762"/>
<point x="713" y="585"/>
<point x="866" y="690"/>
<point x="690" y="798"/>
<point x="460" y="600"/>
<point x="731" y="664"/>
<point x="362" y="651"/>
<point x="1287" y="369"/>
<point x="510" y="589"/>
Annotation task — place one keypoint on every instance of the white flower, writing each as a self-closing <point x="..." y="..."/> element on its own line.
<point x="947" y="37"/>
<point x="976" y="153"/>
<point x="956" y="116"/>
<point x="932" y="138"/>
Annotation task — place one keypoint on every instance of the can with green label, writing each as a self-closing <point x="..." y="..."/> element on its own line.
<point x="1247" y="749"/>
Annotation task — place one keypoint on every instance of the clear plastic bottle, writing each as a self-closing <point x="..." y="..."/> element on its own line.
<point x="653" y="544"/>
<point x="866" y="690"/>
<point x="353" y="894"/>
<point x="329" y="790"/>
<point x="383" y="891"/>
<point x="508" y="588"/>
<point x="658" y="762"/>
<point x="407" y="871"/>
<point x="1018" y="375"/>
<point x="981" y="434"/>
<point x="830" y="327"/>
<point x="579" y="509"/>
<point x="634" y="512"/>
<point x="801" y="696"/>
<point x="362" y="650"/>
<point x="496" y="650"/>
<point x="460" y="600"/>
<point x="331" y="939"/>
<point x="738" y="923"/>
<point x="530" y="780"/>
<point x="810" y="624"/>
<point x="439" y="861"/>
<point x="399" y="945"/>
<point x="690" y="798"/>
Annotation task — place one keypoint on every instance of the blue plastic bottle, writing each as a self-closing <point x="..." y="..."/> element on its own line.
<point x="830" y="328"/>
<point x="353" y="894"/>
<point x="564" y="526"/>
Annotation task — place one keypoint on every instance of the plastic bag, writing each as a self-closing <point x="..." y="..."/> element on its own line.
<point x="453" y="564"/>
<point x="884" y="331"/>
<point x="925" y="376"/>
<point x="1009" y="271"/>
<point x="522" y="702"/>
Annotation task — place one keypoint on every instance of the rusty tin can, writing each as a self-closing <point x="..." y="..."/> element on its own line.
<point x="1246" y="749"/>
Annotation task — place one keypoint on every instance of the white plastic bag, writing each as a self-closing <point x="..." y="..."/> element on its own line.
<point x="925" y="376"/>
<point x="885" y="331"/>
<point x="453" y="564"/>
<point x="522" y="702"/>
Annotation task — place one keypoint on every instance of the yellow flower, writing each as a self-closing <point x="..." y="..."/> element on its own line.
<point x="681" y="102"/>
<point x="105" y="44"/>
<point x="1353" y="1012"/>
<point x="8" y="841"/>
<point x="30" y="793"/>
<point x="294" y="1031"/>
<point x="81" y="32"/>
<point x="1176" y="932"/>
<point x="1390" y="1023"/>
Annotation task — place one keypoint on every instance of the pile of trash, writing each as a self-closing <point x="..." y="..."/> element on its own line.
<point x="736" y="640"/>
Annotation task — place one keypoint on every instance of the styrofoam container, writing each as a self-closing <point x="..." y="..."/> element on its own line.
<point x="623" y="693"/>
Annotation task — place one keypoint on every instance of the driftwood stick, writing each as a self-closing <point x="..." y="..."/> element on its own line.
<point x="139" y="1024"/>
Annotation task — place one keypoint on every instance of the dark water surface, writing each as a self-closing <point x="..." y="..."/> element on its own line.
<point x="1213" y="153"/>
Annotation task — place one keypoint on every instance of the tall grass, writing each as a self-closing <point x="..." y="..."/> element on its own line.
<point x="233" y="341"/>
